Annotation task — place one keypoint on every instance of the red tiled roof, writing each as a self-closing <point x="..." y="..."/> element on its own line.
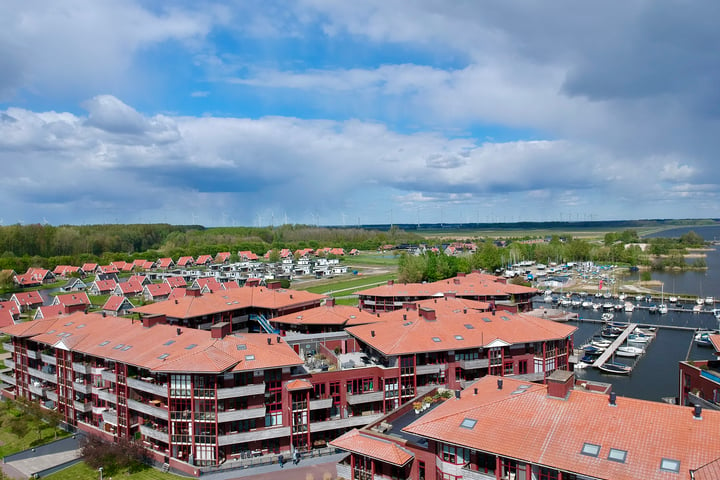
<point x="203" y="259"/>
<point x="176" y="281"/>
<point x="72" y="299"/>
<point x="528" y="425"/>
<point x="6" y="318"/>
<point x="105" y="285"/>
<point x="164" y="262"/>
<point x="115" y="302"/>
<point x="28" y="298"/>
<point x="339" y="315"/>
<point x="710" y="471"/>
<point x="403" y="331"/>
<point x="10" y="306"/>
<point x="295" y="385"/>
<point x="191" y="351"/>
<point x="182" y="261"/>
<point x="158" y="289"/>
<point x="472" y="284"/>
<point x="89" y="267"/>
<point x="131" y="287"/>
<point x="228" y="300"/>
<point x="715" y="340"/>
<point x="370" y="446"/>
<point x="50" y="311"/>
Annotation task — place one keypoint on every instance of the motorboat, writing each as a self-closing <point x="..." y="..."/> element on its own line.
<point x="699" y="301"/>
<point x="586" y="304"/>
<point x="673" y="299"/>
<point x="607" y="306"/>
<point x="653" y="309"/>
<point x="639" y="298"/>
<point x="629" y="351"/>
<point x="709" y="301"/>
<point x="638" y="338"/>
<point x="629" y="307"/>
<point x="702" y="337"/>
<point x="607" y="316"/>
<point x="596" y="306"/>
<point x="616" y="368"/>
<point x="662" y="309"/>
<point x="697" y="308"/>
<point x="610" y="332"/>
<point x="593" y="350"/>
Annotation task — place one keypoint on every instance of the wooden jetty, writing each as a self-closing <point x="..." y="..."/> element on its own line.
<point x="610" y="351"/>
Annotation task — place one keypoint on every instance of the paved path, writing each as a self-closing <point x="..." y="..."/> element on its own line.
<point x="26" y="467"/>
<point x="318" y="468"/>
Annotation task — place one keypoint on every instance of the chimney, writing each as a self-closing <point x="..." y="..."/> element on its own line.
<point x="457" y="393"/>
<point x="612" y="399"/>
<point x="450" y="295"/>
<point x="193" y="292"/>
<point x="176" y="302"/>
<point x="409" y="306"/>
<point x="104" y="314"/>
<point x="404" y="316"/>
<point x="269" y="340"/>
<point x="464" y="310"/>
<point x="277" y="339"/>
<point x="274" y="285"/>
<point x="499" y="383"/>
<point x="475" y="391"/>
<point x="560" y="383"/>
<point x="697" y="412"/>
<point x="372" y="333"/>
<point x="428" y="314"/>
<point x="220" y="330"/>
<point x="179" y="331"/>
<point x="390" y="282"/>
<point x="460" y="274"/>
<point x="330" y="302"/>
<point x="152" y="320"/>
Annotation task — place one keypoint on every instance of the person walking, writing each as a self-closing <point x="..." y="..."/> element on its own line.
<point x="281" y="461"/>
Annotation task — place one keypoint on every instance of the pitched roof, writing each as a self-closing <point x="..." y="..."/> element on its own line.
<point x="183" y="261"/>
<point x="115" y="302"/>
<point x="373" y="447"/>
<point x="522" y="421"/>
<point x="28" y="298"/>
<point x="49" y="311"/>
<point x="105" y="285"/>
<point x="89" y="267"/>
<point x="203" y="259"/>
<point x="72" y="299"/>
<point x="158" y="289"/>
<point x="228" y="300"/>
<point x="131" y="287"/>
<point x="338" y="315"/>
<point x="158" y="348"/>
<point x="166" y="262"/>
<point x="456" y="326"/>
<point x="295" y="385"/>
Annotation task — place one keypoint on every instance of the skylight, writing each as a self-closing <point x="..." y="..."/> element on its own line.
<point x="249" y="357"/>
<point x="459" y="337"/>
<point x="126" y="348"/>
<point x="68" y="324"/>
<point x="436" y="339"/>
<point x="468" y="423"/>
<point x="617" y="455"/>
<point x="169" y="342"/>
<point x="468" y="326"/>
<point x="51" y="331"/>
<point x="164" y="356"/>
<point x="118" y="346"/>
<point x="82" y="325"/>
<point x="191" y="346"/>
<point x="670" y="465"/>
<point x="590" y="449"/>
<point x="242" y="346"/>
<point x="505" y="318"/>
<point x="104" y="343"/>
<point x="486" y="319"/>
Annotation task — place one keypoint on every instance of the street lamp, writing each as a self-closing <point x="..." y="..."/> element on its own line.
<point x="100" y="470"/>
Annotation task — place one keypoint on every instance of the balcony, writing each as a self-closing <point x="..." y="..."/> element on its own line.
<point x="147" y="408"/>
<point x="244" y="414"/>
<point x="474" y="475"/>
<point x="110" y="416"/>
<point x="9" y="363"/>
<point x="33" y="354"/>
<point x="82" y="407"/>
<point x="49" y="359"/>
<point x="51" y="395"/>
<point x="428" y="369"/>
<point x="343" y="470"/>
<point x="243" y="391"/>
<point x="82" y="387"/>
<point x="153" y="433"/>
<point x="107" y="395"/>
<point x="108" y="376"/>
<point x="253" y="435"/>
<point x="8" y="347"/>
<point x="366" y="397"/>
<point x="6" y="378"/>
<point x="81" y="367"/>
<point x="146" y="386"/>
<point x="474" y="364"/>
<point x="37" y="389"/>
<point x="321" y="403"/>
<point x="349" y="422"/>
<point x="48" y="377"/>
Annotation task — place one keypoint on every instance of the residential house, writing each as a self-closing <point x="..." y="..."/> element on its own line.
<point x="222" y="257"/>
<point x="117" y="306"/>
<point x="73" y="302"/>
<point x="131" y="288"/>
<point x="74" y="285"/>
<point x="102" y="287"/>
<point x="185" y="262"/>
<point x="247" y="256"/>
<point x="34" y="277"/>
<point x="49" y="311"/>
<point x="26" y="301"/>
<point x="157" y="292"/>
<point x="9" y="313"/>
<point x="164" y="263"/>
<point x="67" y="271"/>
<point x="175" y="281"/>
<point x="89" y="268"/>
<point x="204" y="260"/>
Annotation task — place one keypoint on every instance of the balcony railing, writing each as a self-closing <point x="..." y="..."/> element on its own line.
<point x="349" y="422"/>
<point x="147" y="408"/>
<point x="343" y="470"/>
<point x="81" y="367"/>
<point x="9" y="363"/>
<point x="474" y="364"/>
<point x="243" y="391"/>
<point x="33" y="354"/>
<point x="49" y="359"/>
<point x="253" y="435"/>
<point x="428" y="369"/>
<point x="82" y="407"/>
<point x="244" y="414"/>
<point x="82" y="387"/>
<point x="475" y="475"/>
<point x="8" y="347"/>
<point x="153" y="433"/>
<point x="6" y="378"/>
<point x="156" y="389"/>
<point x="108" y="376"/>
<point x="49" y="377"/>
<point x="51" y="395"/>
<point x="321" y="403"/>
<point x="366" y="397"/>
<point x="107" y="395"/>
<point x="37" y="389"/>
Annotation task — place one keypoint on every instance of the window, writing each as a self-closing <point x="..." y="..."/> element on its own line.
<point x="670" y="465"/>
<point x="590" y="449"/>
<point x="617" y="455"/>
<point x="104" y="343"/>
<point x="453" y="454"/>
<point x="163" y="356"/>
<point x="468" y="423"/>
<point x="459" y="337"/>
<point x="548" y="474"/>
<point x="249" y="357"/>
<point x="169" y="342"/>
<point x="436" y="339"/>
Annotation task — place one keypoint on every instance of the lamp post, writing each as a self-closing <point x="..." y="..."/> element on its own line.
<point x="100" y="470"/>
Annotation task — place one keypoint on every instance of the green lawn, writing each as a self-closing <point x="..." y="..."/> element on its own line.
<point x="371" y="259"/>
<point x="347" y="286"/>
<point x="36" y="432"/>
<point x="81" y="471"/>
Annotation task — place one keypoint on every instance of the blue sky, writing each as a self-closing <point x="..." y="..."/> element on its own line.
<point x="333" y="112"/>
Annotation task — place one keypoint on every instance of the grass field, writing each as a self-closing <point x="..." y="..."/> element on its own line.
<point x="344" y="286"/>
<point x="20" y="438"/>
<point x="81" y="471"/>
<point x="372" y="259"/>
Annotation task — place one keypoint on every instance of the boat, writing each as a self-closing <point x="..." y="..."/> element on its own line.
<point x="548" y="299"/>
<point x="596" y="306"/>
<point x="622" y="297"/>
<point x="709" y="301"/>
<point x="697" y="308"/>
<point x="629" y="351"/>
<point x="607" y="306"/>
<point x="593" y="350"/>
<point x="575" y="303"/>
<point x="702" y="340"/>
<point x="653" y="309"/>
<point x="610" y="332"/>
<point x="673" y="299"/>
<point x="636" y="338"/>
<point x="629" y="307"/>
<point x="639" y="298"/>
<point x="616" y="368"/>
<point x="662" y="309"/>
<point x="607" y="316"/>
<point x="699" y="301"/>
<point x="586" y="304"/>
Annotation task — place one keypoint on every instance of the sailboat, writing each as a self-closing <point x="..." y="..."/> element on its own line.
<point x="662" y="308"/>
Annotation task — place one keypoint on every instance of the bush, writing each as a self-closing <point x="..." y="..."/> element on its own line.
<point x="113" y="457"/>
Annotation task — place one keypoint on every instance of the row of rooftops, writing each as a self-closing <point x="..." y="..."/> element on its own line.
<point x="557" y="426"/>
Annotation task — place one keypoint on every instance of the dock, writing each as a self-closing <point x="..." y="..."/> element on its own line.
<point x="610" y="351"/>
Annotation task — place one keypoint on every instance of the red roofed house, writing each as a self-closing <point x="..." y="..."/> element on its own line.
<point x="700" y="379"/>
<point x="222" y="257"/>
<point x="185" y="262"/>
<point x="34" y="277"/>
<point x="108" y="269"/>
<point x="207" y="285"/>
<point x="49" y="311"/>
<point x="204" y="260"/>
<point x="119" y="264"/>
<point x="175" y="281"/>
<point x="131" y="288"/>
<point x="89" y="268"/>
<point x="141" y="279"/>
<point x="67" y="270"/>
<point x="9" y="313"/>
<point x="72" y="302"/>
<point x="27" y="300"/>
<point x="102" y="287"/>
<point x="503" y="428"/>
<point x="247" y="256"/>
<point x="117" y="306"/>
<point x="156" y="292"/>
<point x="164" y="263"/>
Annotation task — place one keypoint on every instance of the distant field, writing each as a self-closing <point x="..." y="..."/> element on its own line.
<point x="588" y="233"/>
<point x="372" y="259"/>
<point x="345" y="286"/>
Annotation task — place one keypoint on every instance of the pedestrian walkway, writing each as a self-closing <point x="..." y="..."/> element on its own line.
<point x="45" y="458"/>
<point x="315" y="468"/>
